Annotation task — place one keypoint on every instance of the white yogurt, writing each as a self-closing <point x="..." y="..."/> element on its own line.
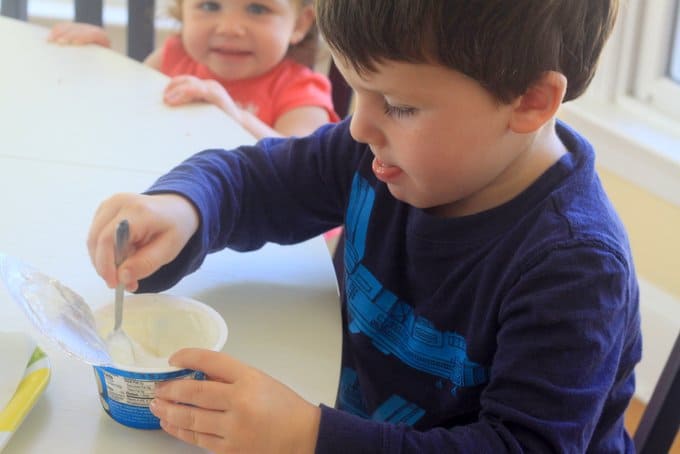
<point x="157" y="326"/>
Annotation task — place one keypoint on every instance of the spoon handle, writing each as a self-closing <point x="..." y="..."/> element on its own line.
<point x="120" y="253"/>
<point x="122" y="237"/>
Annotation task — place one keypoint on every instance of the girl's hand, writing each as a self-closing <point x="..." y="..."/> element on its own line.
<point x="236" y="409"/>
<point x="160" y="226"/>
<point x="188" y="89"/>
<point x="75" y="33"/>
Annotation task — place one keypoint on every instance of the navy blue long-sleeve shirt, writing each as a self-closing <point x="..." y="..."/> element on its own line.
<point x="512" y="330"/>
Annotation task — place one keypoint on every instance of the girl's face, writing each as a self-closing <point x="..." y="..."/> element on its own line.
<point x="239" y="39"/>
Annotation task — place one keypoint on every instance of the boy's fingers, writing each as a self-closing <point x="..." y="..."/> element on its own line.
<point x="103" y="259"/>
<point x="210" y="442"/>
<point x="100" y="241"/>
<point x="145" y="259"/>
<point x="216" y="365"/>
<point x="101" y="218"/>
<point x="200" y="393"/>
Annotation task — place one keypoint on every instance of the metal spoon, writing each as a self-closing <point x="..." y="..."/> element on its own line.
<point x="120" y="253"/>
<point x="119" y="344"/>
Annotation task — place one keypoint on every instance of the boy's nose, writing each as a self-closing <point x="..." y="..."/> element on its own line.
<point x="363" y="126"/>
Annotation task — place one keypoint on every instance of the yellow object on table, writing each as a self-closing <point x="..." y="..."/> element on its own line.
<point x="14" y="406"/>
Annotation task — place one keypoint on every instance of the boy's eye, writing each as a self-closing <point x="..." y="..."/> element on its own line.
<point x="209" y="6"/>
<point x="256" y="8"/>
<point x="398" y="111"/>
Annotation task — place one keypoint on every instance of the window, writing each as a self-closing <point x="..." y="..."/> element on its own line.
<point x="657" y="76"/>
<point x="631" y="111"/>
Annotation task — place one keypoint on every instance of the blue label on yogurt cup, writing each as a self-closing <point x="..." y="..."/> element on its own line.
<point x="125" y="395"/>
<point x="157" y="325"/>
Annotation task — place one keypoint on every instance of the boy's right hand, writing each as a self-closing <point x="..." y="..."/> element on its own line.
<point x="76" y="33"/>
<point x="160" y="226"/>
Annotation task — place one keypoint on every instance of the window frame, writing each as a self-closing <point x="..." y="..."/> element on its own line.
<point x="635" y="137"/>
<point x="674" y="67"/>
<point x="652" y="82"/>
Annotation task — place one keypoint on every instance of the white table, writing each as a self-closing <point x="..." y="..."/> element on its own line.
<point x="77" y="125"/>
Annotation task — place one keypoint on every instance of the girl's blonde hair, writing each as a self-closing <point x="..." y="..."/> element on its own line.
<point x="303" y="52"/>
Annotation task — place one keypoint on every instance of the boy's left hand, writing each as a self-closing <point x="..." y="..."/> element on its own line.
<point x="236" y="409"/>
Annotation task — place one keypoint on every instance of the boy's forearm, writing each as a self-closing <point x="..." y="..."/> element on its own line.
<point x="341" y="432"/>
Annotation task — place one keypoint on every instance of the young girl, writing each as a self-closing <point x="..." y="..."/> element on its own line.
<point x="236" y="54"/>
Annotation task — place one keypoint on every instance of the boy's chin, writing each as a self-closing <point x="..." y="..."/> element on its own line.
<point x="410" y="199"/>
<point x="399" y="194"/>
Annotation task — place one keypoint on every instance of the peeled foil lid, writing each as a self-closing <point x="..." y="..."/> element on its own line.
<point x="58" y="312"/>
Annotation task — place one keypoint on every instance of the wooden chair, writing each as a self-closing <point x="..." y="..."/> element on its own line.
<point x="661" y="419"/>
<point x="140" y="26"/>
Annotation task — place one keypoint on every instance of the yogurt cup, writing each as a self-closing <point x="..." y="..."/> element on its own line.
<point x="158" y="325"/>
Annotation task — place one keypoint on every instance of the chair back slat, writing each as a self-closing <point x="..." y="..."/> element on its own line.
<point x="18" y="9"/>
<point x="89" y="11"/>
<point x="140" y="31"/>
<point x="661" y="419"/>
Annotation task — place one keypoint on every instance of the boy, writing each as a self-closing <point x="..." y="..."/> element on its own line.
<point x="490" y="302"/>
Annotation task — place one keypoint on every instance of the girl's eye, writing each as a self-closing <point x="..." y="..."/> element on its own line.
<point x="398" y="111"/>
<point x="209" y="6"/>
<point x="256" y="8"/>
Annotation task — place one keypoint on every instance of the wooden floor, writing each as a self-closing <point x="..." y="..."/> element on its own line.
<point x="633" y="415"/>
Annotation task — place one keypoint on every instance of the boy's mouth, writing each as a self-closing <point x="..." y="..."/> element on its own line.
<point x="385" y="172"/>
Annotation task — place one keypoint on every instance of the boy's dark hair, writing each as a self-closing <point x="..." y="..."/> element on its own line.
<point x="506" y="45"/>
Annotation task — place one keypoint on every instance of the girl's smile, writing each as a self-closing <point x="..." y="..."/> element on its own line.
<point x="230" y="54"/>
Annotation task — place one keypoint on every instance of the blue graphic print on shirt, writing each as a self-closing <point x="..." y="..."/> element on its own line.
<point x="389" y="322"/>
<point x="394" y="410"/>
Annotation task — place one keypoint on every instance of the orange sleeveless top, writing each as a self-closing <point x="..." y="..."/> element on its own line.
<point x="287" y="86"/>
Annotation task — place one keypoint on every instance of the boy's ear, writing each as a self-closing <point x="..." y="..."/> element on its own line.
<point x="539" y="104"/>
<point x="303" y="24"/>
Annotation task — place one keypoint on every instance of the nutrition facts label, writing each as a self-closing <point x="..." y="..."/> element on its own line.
<point x="129" y="391"/>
